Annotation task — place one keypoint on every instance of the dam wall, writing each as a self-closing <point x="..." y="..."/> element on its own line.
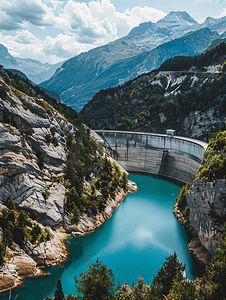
<point x="174" y="157"/>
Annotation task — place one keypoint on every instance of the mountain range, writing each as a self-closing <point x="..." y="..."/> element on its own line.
<point x="33" y="69"/>
<point x="142" y="50"/>
<point x="187" y="94"/>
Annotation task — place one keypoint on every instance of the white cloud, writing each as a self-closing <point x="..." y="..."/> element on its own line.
<point x="63" y="46"/>
<point x="20" y="11"/>
<point x="223" y="14"/>
<point x="100" y="20"/>
<point x="25" y="37"/>
<point x="79" y="26"/>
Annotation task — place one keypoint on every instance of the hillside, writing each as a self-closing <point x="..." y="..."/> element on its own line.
<point x="52" y="175"/>
<point x="190" y="101"/>
<point x="145" y="48"/>
<point x="201" y="205"/>
<point x="34" y="69"/>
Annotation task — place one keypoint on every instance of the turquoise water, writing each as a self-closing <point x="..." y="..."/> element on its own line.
<point x="134" y="242"/>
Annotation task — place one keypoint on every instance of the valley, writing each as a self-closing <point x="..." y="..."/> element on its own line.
<point x="63" y="172"/>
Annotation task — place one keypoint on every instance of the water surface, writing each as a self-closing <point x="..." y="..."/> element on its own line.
<point x="134" y="242"/>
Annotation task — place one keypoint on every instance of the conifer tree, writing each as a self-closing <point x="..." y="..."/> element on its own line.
<point x="97" y="283"/>
<point x="58" y="294"/>
<point x="171" y="272"/>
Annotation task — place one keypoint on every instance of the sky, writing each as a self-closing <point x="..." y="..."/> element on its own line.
<point x="55" y="30"/>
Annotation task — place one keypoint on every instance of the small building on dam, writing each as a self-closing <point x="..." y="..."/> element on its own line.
<point x="174" y="157"/>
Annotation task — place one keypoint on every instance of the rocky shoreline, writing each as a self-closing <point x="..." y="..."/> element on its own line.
<point x="195" y="247"/>
<point x="20" y="265"/>
<point x="87" y="224"/>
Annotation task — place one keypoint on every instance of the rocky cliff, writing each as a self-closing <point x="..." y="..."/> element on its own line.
<point x="207" y="205"/>
<point x="49" y="170"/>
<point x="202" y="207"/>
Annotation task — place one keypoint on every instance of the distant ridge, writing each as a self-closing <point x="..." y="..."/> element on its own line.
<point x="33" y="69"/>
<point x="142" y="50"/>
<point x="81" y="77"/>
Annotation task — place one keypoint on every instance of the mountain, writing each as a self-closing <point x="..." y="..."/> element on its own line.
<point x="34" y="69"/>
<point x="187" y="94"/>
<point x="218" y="25"/>
<point x="18" y="75"/>
<point x="177" y="19"/>
<point x="81" y="77"/>
<point x="216" y="42"/>
<point x="174" y="25"/>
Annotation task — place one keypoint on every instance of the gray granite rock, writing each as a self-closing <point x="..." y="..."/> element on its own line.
<point x="207" y="204"/>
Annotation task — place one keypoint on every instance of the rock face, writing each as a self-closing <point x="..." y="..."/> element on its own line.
<point x="20" y="176"/>
<point x="207" y="206"/>
<point x="34" y="148"/>
<point x="47" y="254"/>
<point x="32" y="159"/>
<point x="25" y="263"/>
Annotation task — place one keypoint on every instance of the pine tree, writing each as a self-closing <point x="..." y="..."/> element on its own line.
<point x="186" y="290"/>
<point x="171" y="272"/>
<point x="97" y="283"/>
<point x="58" y="294"/>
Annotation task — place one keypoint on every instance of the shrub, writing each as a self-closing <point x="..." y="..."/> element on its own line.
<point x="28" y="131"/>
<point x="40" y="161"/>
<point x="181" y="199"/>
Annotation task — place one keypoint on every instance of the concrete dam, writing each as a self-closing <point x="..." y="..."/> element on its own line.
<point x="173" y="157"/>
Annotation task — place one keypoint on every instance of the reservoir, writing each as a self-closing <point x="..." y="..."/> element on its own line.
<point x="141" y="233"/>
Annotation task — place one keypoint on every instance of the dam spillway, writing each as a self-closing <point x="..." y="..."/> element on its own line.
<point x="173" y="157"/>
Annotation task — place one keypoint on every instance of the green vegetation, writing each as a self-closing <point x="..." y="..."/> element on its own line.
<point x="215" y="55"/>
<point x="214" y="162"/>
<point x="16" y="226"/>
<point x="148" y="105"/>
<point x="181" y="199"/>
<point x="169" y="275"/>
<point x="144" y="107"/>
<point x="46" y="194"/>
<point x="41" y="160"/>
<point x="97" y="283"/>
<point x="85" y="156"/>
<point x="27" y="131"/>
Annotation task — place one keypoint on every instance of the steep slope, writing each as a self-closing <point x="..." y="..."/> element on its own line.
<point x="52" y="174"/>
<point x="79" y="78"/>
<point x="187" y="94"/>
<point x="201" y="205"/>
<point x="34" y="69"/>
